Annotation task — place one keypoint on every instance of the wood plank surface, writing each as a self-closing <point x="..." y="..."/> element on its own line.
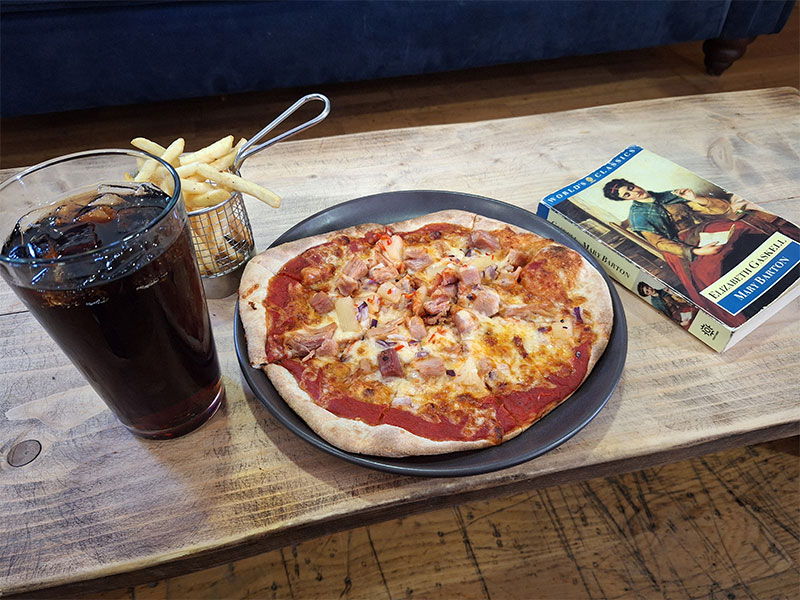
<point x="719" y="526"/>
<point x="100" y="504"/>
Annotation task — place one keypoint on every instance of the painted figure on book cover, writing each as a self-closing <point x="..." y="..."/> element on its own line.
<point x="701" y="237"/>
<point x="675" y="307"/>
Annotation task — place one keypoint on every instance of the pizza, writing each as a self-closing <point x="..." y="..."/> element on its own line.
<point x="446" y="332"/>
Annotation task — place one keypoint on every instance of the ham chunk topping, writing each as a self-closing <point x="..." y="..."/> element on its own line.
<point x="321" y="303"/>
<point x="465" y="321"/>
<point x="437" y="305"/>
<point x="416" y="327"/>
<point x="432" y="366"/>
<point x="313" y="275"/>
<point x="382" y="273"/>
<point x="487" y="302"/>
<point x="483" y="240"/>
<point x="346" y="285"/>
<point x="355" y="268"/>
<point x="328" y="348"/>
<point x="406" y="285"/>
<point x="450" y="291"/>
<point x="446" y="277"/>
<point x="389" y="363"/>
<point x="469" y="275"/>
<point x="517" y="258"/>
<point x="530" y="312"/>
<point x="301" y="343"/>
<point x="484" y="366"/>
<point x="417" y="259"/>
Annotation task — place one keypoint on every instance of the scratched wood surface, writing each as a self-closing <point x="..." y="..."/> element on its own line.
<point x="99" y="507"/>
<point x="726" y="525"/>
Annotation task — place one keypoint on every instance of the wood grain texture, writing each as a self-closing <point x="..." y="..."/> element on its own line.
<point x="101" y="505"/>
<point x="726" y="525"/>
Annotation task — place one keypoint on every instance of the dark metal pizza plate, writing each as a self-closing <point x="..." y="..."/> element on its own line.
<point x="554" y="429"/>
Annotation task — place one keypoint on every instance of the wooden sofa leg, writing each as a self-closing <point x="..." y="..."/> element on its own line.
<point x="721" y="54"/>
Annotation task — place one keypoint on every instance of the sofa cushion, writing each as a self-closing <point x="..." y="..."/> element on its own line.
<point x="65" y="55"/>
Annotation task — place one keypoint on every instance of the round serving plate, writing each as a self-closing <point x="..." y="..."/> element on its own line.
<point x="554" y="429"/>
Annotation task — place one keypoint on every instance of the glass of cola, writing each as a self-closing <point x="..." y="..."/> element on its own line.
<point x="106" y="265"/>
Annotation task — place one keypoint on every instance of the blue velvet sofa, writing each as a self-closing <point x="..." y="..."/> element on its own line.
<point x="57" y="55"/>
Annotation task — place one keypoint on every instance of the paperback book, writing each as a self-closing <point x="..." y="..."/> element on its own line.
<point x="714" y="263"/>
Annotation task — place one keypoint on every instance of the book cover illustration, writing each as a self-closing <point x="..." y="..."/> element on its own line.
<point x="708" y="259"/>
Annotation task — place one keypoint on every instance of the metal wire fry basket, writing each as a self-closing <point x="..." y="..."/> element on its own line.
<point x="222" y="235"/>
<point x="223" y="243"/>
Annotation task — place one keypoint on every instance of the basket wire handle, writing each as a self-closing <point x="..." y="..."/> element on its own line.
<point x="250" y="148"/>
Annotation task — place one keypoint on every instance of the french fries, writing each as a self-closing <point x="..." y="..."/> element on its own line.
<point x="148" y="146"/>
<point x="216" y="150"/>
<point x="234" y="182"/>
<point x="221" y="239"/>
<point x="204" y="174"/>
<point x="226" y="161"/>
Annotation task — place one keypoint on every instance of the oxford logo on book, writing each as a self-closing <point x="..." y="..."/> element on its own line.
<point x="751" y="278"/>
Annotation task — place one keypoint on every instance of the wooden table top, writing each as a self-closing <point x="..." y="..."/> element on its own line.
<point x="99" y="507"/>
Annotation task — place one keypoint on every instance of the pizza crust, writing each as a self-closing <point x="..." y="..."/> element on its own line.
<point x="453" y="217"/>
<point x="594" y="288"/>
<point x="356" y="436"/>
<point x="252" y="293"/>
<point x="277" y="256"/>
<point x="488" y="223"/>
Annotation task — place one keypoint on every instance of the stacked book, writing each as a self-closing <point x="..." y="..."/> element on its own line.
<point x="711" y="261"/>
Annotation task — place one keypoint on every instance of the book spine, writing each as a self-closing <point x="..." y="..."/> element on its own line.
<point x="703" y="326"/>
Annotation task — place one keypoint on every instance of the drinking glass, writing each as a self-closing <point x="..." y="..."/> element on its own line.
<point x="124" y="300"/>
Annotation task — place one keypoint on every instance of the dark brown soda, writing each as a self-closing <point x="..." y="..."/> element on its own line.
<point x="143" y="340"/>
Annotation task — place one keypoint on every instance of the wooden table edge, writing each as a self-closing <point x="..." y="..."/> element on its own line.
<point x="258" y="544"/>
<point x="7" y="172"/>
